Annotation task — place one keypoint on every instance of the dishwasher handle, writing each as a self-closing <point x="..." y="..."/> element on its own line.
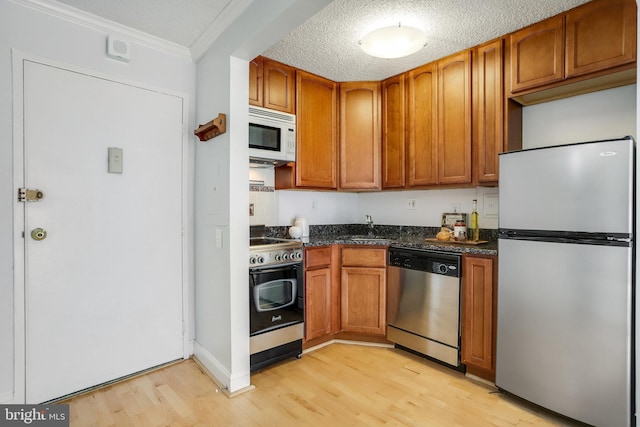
<point x="445" y="264"/>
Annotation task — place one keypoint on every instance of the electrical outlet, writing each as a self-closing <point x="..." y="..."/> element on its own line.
<point x="411" y="203"/>
<point x="314" y="204"/>
<point x="491" y="205"/>
<point x="455" y="207"/>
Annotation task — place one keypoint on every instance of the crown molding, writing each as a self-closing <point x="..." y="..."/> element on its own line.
<point x="229" y="13"/>
<point x="97" y="23"/>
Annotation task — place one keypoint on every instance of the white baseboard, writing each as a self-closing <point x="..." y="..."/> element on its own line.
<point x="230" y="385"/>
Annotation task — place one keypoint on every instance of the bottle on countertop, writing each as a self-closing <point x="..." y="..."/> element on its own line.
<point x="475" y="229"/>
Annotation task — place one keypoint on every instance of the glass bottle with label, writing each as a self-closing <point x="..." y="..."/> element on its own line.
<point x="475" y="229"/>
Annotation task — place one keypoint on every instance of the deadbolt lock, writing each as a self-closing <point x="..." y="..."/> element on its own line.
<point x="29" y="195"/>
<point x="38" y="234"/>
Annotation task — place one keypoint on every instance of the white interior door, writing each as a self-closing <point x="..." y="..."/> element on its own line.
<point x="103" y="290"/>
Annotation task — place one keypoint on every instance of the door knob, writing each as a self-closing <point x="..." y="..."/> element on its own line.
<point x="38" y="234"/>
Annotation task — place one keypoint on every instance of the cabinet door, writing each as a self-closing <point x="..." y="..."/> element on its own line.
<point x="488" y="114"/>
<point x="317" y="127"/>
<point x="393" y="132"/>
<point x="479" y="315"/>
<point x="256" y="81"/>
<point x="454" y="119"/>
<point x="599" y="35"/>
<point x="360" y="141"/>
<point x="279" y="86"/>
<point x="537" y="54"/>
<point x="317" y="315"/>
<point x="421" y="125"/>
<point x="363" y="294"/>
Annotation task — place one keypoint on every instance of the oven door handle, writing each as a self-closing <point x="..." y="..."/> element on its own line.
<point x="272" y="270"/>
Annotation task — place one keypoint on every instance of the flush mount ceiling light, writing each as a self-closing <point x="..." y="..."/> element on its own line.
<point x="393" y="42"/>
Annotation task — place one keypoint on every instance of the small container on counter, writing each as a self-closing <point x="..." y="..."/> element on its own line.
<point x="460" y="231"/>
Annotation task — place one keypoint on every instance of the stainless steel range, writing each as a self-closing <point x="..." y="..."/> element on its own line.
<point x="276" y="297"/>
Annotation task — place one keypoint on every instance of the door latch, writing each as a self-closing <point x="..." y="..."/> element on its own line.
<point x="38" y="234"/>
<point x="29" y="195"/>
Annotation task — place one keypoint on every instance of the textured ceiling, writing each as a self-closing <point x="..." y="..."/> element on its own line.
<point x="327" y="43"/>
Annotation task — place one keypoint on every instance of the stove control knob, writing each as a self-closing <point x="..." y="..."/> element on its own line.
<point x="298" y="255"/>
<point x="285" y="256"/>
<point x="277" y="257"/>
<point x="252" y="260"/>
<point x="259" y="259"/>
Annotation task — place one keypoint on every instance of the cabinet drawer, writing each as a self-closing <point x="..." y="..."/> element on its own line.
<point x="317" y="257"/>
<point x="363" y="257"/>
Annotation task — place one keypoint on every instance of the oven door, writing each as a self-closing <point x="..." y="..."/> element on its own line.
<point x="276" y="297"/>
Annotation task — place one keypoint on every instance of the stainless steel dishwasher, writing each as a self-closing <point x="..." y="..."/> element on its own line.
<point x="423" y="303"/>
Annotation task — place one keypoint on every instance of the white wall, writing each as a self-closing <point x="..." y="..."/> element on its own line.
<point x="222" y="182"/>
<point x="599" y="115"/>
<point x="43" y="34"/>
<point x="391" y="207"/>
<point x="319" y="207"/>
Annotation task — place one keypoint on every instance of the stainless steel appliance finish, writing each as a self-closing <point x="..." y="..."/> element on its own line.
<point x="423" y="303"/>
<point x="264" y="251"/>
<point x="276" y="299"/>
<point x="565" y="333"/>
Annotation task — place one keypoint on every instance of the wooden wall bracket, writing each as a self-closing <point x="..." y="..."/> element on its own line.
<point x="215" y="127"/>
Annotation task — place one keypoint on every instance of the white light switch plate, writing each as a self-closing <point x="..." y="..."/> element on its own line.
<point x="218" y="238"/>
<point x="115" y="160"/>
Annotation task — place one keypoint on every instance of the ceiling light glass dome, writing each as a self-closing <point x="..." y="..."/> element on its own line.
<point x="393" y="42"/>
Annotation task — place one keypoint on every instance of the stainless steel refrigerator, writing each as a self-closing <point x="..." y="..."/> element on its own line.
<point x="566" y="279"/>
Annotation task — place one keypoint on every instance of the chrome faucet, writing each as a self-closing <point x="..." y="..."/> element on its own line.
<point x="369" y="223"/>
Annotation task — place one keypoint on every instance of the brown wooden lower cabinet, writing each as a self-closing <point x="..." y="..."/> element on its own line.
<point x="363" y="290"/>
<point x="345" y="294"/>
<point x="321" y="295"/>
<point x="479" y="292"/>
<point x="363" y="295"/>
<point x="345" y="298"/>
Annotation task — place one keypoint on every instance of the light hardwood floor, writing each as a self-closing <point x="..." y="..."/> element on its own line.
<point x="338" y="385"/>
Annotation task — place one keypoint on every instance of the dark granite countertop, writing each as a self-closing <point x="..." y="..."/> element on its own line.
<point x="387" y="235"/>
<point x="404" y="241"/>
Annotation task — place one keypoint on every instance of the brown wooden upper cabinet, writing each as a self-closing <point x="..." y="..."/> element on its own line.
<point x="600" y="35"/>
<point x="488" y="110"/>
<point x="360" y="136"/>
<point x="272" y="85"/>
<point x="256" y="81"/>
<point x="427" y="125"/>
<point x="317" y="132"/>
<point x="597" y="36"/>
<point x="454" y="119"/>
<point x="537" y="54"/>
<point x="422" y="120"/>
<point x="393" y="132"/>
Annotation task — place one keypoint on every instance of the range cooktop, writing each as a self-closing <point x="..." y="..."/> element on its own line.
<point x="272" y="251"/>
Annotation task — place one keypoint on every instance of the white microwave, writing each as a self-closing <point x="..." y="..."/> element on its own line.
<point x="272" y="136"/>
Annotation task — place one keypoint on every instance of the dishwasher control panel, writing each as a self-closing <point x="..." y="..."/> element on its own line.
<point x="428" y="261"/>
